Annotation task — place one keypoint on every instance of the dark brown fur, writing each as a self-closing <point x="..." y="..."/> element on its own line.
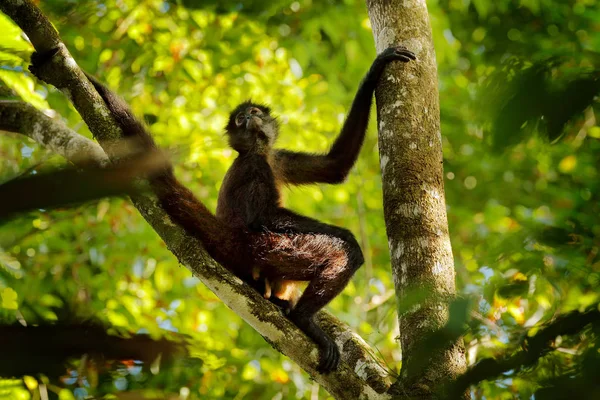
<point x="252" y="234"/>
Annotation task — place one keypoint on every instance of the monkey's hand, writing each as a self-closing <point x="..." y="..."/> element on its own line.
<point x="39" y="61"/>
<point x="397" y="53"/>
<point x="284" y="305"/>
<point x="329" y="357"/>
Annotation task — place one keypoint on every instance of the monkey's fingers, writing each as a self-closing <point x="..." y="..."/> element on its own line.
<point x="402" y="58"/>
<point x="335" y="358"/>
<point x="402" y="54"/>
<point x="398" y="53"/>
<point x="406" y="53"/>
<point x="329" y="356"/>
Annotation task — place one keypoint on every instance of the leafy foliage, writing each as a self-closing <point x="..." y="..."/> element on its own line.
<point x="524" y="221"/>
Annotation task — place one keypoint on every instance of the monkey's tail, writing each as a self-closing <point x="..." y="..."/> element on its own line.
<point x="178" y="201"/>
<point x="193" y="216"/>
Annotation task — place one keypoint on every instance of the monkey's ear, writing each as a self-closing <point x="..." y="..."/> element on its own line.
<point x="264" y="108"/>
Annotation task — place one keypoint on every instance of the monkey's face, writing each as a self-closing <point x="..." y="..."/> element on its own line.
<point x="251" y="128"/>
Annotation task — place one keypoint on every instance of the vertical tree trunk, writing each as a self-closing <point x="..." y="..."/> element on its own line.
<point x="410" y="150"/>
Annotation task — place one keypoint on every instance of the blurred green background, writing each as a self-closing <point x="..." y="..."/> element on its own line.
<point x="518" y="91"/>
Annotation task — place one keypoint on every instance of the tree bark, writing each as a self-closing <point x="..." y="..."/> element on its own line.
<point x="410" y="150"/>
<point x="54" y="135"/>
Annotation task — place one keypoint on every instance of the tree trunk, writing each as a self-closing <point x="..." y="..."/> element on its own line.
<point x="410" y="150"/>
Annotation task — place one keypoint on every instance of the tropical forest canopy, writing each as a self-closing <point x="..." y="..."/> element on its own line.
<point x="518" y="84"/>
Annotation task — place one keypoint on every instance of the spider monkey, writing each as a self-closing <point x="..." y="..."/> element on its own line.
<point x="252" y="234"/>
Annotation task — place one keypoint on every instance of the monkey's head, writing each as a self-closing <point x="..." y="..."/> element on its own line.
<point x="251" y="128"/>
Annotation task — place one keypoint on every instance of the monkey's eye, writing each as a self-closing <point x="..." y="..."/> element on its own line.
<point x="255" y="111"/>
<point x="239" y="119"/>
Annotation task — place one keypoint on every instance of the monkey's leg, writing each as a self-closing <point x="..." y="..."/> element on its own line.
<point x="324" y="287"/>
<point x="287" y="221"/>
<point x="326" y="262"/>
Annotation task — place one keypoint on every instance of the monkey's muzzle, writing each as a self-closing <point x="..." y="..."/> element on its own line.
<point x="253" y="123"/>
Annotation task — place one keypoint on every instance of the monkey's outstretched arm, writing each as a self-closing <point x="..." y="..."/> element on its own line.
<point x="333" y="167"/>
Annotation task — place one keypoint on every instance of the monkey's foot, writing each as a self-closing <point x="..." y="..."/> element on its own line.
<point x="329" y="357"/>
<point x="38" y="60"/>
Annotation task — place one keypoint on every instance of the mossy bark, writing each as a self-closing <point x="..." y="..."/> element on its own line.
<point x="410" y="148"/>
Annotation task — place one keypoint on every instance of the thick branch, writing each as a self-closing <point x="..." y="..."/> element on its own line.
<point x="532" y="349"/>
<point x="352" y="379"/>
<point x="63" y="72"/>
<point x="20" y="117"/>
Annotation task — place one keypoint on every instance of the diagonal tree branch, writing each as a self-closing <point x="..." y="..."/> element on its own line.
<point x="532" y="348"/>
<point x="360" y="376"/>
<point x="20" y="117"/>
